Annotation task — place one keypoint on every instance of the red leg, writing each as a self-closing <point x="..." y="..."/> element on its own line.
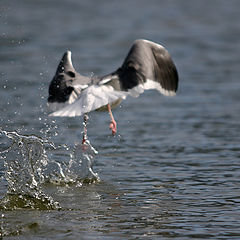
<point x="113" y="124"/>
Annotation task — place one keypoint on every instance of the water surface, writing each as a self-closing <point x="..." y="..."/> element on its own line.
<point x="173" y="170"/>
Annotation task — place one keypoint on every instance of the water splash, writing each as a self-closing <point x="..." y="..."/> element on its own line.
<point x="28" y="168"/>
<point x="25" y="161"/>
<point x="81" y="163"/>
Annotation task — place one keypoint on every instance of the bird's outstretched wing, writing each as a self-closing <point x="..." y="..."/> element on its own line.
<point x="66" y="85"/>
<point x="147" y="66"/>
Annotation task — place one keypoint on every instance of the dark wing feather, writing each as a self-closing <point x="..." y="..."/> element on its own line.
<point x="66" y="84"/>
<point x="148" y="61"/>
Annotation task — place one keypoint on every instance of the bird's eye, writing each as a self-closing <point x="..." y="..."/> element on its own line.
<point x="71" y="74"/>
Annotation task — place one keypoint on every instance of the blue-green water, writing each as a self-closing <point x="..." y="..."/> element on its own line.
<point x="173" y="170"/>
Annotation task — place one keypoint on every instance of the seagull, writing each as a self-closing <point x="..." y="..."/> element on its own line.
<point x="148" y="65"/>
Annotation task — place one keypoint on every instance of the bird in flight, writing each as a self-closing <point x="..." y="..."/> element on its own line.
<point x="148" y="65"/>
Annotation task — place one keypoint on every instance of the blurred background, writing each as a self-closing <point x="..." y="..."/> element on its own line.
<point x="202" y="37"/>
<point x="175" y="163"/>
